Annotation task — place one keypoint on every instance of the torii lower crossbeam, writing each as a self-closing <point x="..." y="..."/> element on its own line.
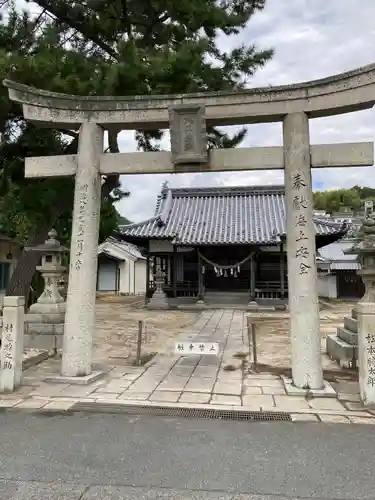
<point x="359" y="154"/>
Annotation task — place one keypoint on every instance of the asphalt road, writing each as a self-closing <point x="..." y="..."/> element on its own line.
<point x="113" y="457"/>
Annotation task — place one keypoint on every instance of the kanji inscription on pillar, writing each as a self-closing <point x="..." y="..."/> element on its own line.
<point x="81" y="225"/>
<point x="300" y="206"/>
<point x="8" y="347"/>
<point x="370" y="351"/>
<point x="188" y="134"/>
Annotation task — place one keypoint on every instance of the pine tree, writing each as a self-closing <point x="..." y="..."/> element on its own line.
<point x="109" y="47"/>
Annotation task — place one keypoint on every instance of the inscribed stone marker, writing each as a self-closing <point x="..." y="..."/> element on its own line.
<point x="188" y="134"/>
<point x="12" y="343"/>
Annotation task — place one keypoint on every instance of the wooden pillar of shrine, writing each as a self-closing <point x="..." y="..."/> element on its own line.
<point x="252" y="277"/>
<point x="147" y="278"/>
<point x="200" y="278"/>
<point x="174" y="272"/>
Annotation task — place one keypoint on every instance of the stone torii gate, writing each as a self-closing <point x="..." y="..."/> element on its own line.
<point x="186" y="116"/>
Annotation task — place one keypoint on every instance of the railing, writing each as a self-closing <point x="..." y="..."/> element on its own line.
<point x="270" y="290"/>
<point x="183" y="288"/>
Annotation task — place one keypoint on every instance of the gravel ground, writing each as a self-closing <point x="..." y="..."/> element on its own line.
<point x="273" y="339"/>
<point x="117" y="326"/>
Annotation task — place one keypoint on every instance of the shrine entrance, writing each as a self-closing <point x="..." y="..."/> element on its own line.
<point x="187" y="117"/>
<point x="226" y="269"/>
<point x="224" y="280"/>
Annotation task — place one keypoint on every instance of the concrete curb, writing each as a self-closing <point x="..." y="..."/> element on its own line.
<point x="35" y="360"/>
<point x="66" y="406"/>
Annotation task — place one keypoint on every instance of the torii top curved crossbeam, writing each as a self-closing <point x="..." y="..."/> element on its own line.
<point x="342" y="93"/>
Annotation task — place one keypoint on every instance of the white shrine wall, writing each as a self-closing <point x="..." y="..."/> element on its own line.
<point x="327" y="286"/>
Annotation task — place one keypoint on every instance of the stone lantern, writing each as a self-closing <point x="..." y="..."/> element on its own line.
<point x="365" y="249"/>
<point x="159" y="299"/>
<point x="50" y="303"/>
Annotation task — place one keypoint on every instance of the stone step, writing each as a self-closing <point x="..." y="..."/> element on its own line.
<point x="226" y="298"/>
<point x="339" y="350"/>
<point x="347" y="336"/>
<point x="351" y="324"/>
<point x="354" y="313"/>
<point x="226" y="294"/>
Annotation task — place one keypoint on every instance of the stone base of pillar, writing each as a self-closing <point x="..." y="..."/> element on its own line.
<point x="158" y="301"/>
<point x="45" y="308"/>
<point x="342" y="347"/>
<point x="49" y="318"/>
<point x="253" y="305"/>
<point x="86" y="380"/>
<point x="44" y="331"/>
<point x="326" y="392"/>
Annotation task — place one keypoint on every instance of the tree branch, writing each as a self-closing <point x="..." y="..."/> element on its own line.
<point x="79" y="24"/>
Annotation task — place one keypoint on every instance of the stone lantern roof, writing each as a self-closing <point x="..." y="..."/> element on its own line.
<point x="51" y="245"/>
<point x="366" y="244"/>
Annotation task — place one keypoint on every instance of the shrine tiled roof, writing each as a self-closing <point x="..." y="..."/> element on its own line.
<point x="221" y="215"/>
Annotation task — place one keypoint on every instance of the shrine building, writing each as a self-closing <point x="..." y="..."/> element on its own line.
<point x="222" y="239"/>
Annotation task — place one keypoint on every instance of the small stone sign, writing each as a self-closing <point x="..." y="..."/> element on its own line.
<point x="200" y="348"/>
<point x="188" y="134"/>
<point x="12" y="343"/>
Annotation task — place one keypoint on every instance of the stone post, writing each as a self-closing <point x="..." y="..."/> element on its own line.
<point x="12" y="343"/>
<point x="80" y="306"/>
<point x="301" y="249"/>
<point x="366" y="349"/>
<point x="366" y="311"/>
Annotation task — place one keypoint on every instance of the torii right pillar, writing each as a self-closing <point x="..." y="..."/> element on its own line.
<point x="307" y="371"/>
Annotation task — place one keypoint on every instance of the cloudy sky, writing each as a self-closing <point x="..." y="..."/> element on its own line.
<point x="312" y="40"/>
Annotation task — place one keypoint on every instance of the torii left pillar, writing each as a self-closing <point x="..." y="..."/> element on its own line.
<point x="80" y="310"/>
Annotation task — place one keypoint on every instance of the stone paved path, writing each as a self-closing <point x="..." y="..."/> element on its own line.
<point x="219" y="382"/>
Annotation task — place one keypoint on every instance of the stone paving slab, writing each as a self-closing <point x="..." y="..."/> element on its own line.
<point x="304" y="417"/>
<point x="191" y="382"/>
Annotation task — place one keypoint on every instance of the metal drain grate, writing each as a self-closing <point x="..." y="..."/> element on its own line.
<point x="208" y="413"/>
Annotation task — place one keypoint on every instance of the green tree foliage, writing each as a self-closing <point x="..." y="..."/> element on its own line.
<point x="339" y="199"/>
<point x="108" y="47"/>
<point x="123" y="221"/>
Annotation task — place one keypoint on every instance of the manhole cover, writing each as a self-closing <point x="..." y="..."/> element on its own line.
<point x="184" y="412"/>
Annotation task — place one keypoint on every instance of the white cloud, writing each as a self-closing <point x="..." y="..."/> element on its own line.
<point x="312" y="40"/>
